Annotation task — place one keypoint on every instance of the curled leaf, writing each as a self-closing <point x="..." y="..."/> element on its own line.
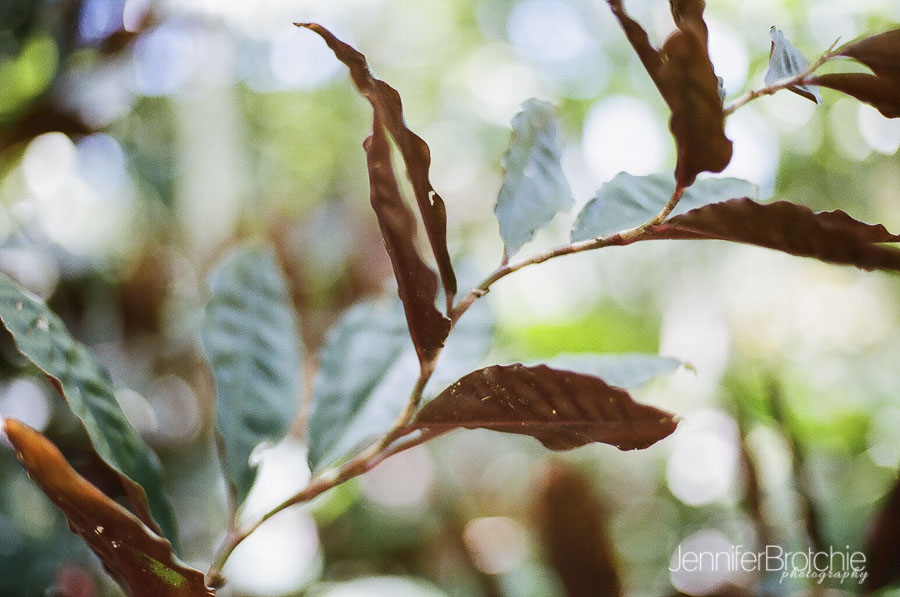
<point x="684" y="75"/>
<point x="139" y="560"/>
<point x="416" y="154"/>
<point x="785" y="62"/>
<point x="833" y="236"/>
<point x="416" y="282"/>
<point x="535" y="188"/>
<point x="42" y="337"/>
<point x="561" y="409"/>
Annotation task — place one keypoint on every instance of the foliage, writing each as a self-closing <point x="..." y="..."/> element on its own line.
<point x="392" y="375"/>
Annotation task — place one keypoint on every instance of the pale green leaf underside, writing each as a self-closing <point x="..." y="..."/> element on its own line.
<point x="628" y="201"/>
<point x="535" y="188"/>
<point x="367" y="369"/>
<point x="252" y="341"/>
<point x="623" y="370"/>
<point x="785" y="62"/>
<point x="42" y="337"/>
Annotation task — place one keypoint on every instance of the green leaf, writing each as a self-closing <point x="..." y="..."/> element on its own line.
<point x="42" y="337"/>
<point x="625" y="370"/>
<point x="561" y="409"/>
<point x="366" y="371"/>
<point x="252" y="341"/>
<point x="139" y="560"/>
<point x="786" y="61"/>
<point x="628" y="201"/>
<point x="535" y="188"/>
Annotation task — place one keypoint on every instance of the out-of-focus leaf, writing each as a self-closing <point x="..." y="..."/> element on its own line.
<point x="42" y="337"/>
<point x="626" y="370"/>
<point x="829" y="236"/>
<point x="139" y="560"/>
<point x="572" y="529"/>
<point x="561" y="409"/>
<point x="252" y="341"/>
<point x="684" y="76"/>
<point x="628" y="201"/>
<point x="360" y="352"/>
<point x="416" y="282"/>
<point x="416" y="154"/>
<point x="535" y="188"/>
<point x="883" y="544"/>
<point x="882" y="94"/>
<point x="786" y="61"/>
<point x="366" y="371"/>
<point x="881" y="53"/>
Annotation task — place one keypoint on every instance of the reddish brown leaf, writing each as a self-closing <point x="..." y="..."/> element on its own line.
<point x="140" y="561"/>
<point x="416" y="282"/>
<point x="879" y="52"/>
<point x="684" y="75"/>
<point x="829" y="236"/>
<point x="883" y="544"/>
<point x="561" y="409"/>
<point x="573" y="532"/>
<point x="871" y="89"/>
<point x="416" y="155"/>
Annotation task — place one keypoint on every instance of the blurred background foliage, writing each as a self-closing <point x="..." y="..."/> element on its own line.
<point x="141" y="138"/>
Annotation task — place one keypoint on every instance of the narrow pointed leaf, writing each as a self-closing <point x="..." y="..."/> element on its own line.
<point x="571" y="525"/>
<point x="252" y="341"/>
<point x="416" y="154"/>
<point x="535" y="188"/>
<point x="42" y="338"/>
<point x="683" y="73"/>
<point x="880" y="93"/>
<point x="833" y="236"/>
<point x="786" y="61"/>
<point x="882" y="547"/>
<point x="561" y="409"/>
<point x="416" y="283"/>
<point x="366" y="371"/>
<point x="625" y="370"/>
<point x="628" y="201"/>
<point x="140" y="561"/>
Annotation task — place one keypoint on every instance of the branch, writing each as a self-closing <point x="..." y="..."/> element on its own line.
<point x="798" y="79"/>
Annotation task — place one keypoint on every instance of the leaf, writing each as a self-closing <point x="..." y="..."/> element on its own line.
<point x="628" y="201"/>
<point x="883" y="544"/>
<point x="832" y="236"/>
<point x="572" y="529"/>
<point x="251" y="338"/>
<point x="881" y="53"/>
<point x="42" y="337"/>
<point x="416" y="154"/>
<point x="535" y="188"/>
<point x="882" y="94"/>
<point x="366" y="370"/>
<point x="684" y="75"/>
<point x="624" y="370"/>
<point x="561" y="409"/>
<point x="139" y="560"/>
<point x="416" y="283"/>
<point x="785" y="62"/>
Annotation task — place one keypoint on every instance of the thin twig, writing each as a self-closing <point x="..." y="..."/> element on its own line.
<point x="389" y="445"/>
<point x="798" y="79"/>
